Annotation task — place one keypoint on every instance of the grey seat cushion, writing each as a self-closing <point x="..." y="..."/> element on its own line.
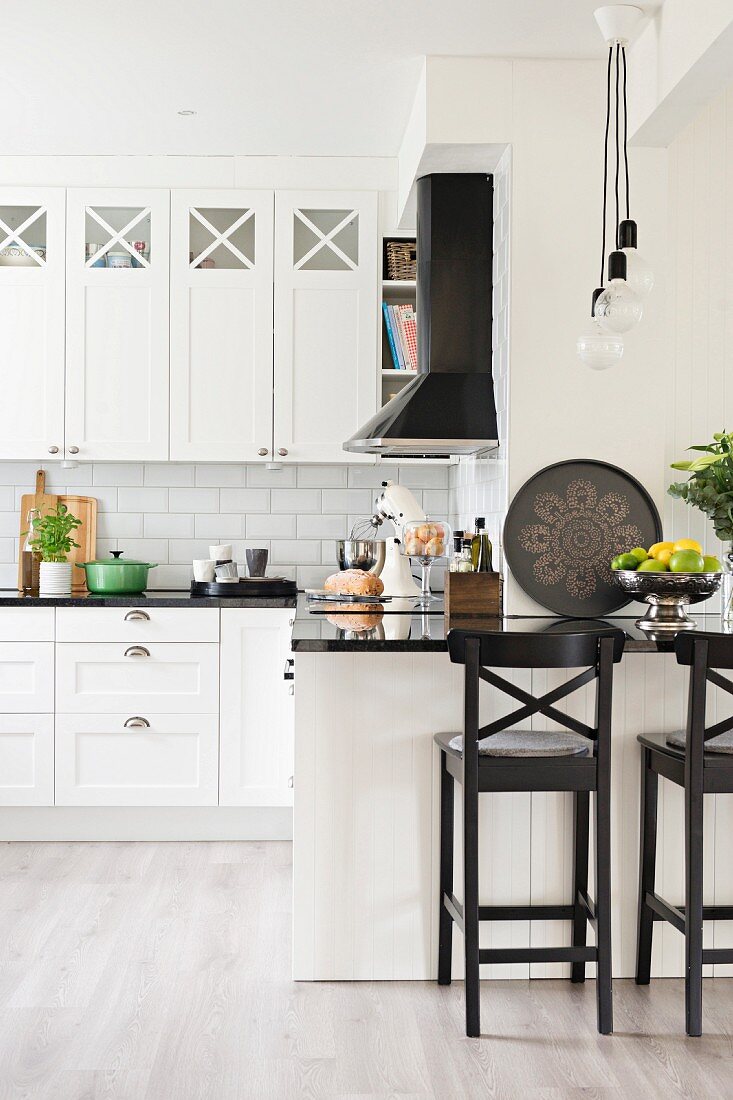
<point x="722" y="743"/>
<point x="529" y="743"/>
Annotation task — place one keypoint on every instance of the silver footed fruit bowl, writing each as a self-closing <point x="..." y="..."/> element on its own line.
<point x="668" y="595"/>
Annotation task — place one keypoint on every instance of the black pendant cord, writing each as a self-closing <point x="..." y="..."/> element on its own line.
<point x="618" y="159"/>
<point x="605" y="164"/>
<point x="626" y="126"/>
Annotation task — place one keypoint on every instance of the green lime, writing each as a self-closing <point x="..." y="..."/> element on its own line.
<point x="686" y="561"/>
<point x="639" y="553"/>
<point x="616" y="563"/>
<point x="710" y="564"/>
<point x="627" y="561"/>
<point x="651" y="565"/>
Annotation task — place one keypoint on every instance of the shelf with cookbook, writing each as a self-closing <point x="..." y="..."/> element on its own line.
<point x="399" y="346"/>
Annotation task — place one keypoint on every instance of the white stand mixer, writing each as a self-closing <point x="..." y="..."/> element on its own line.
<point x="397" y="503"/>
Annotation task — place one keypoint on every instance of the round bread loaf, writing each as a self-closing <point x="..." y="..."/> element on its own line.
<point x="346" y="619"/>
<point x="354" y="582"/>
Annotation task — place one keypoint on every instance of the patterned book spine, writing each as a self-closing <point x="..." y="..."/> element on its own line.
<point x="409" y="332"/>
<point x="390" y="335"/>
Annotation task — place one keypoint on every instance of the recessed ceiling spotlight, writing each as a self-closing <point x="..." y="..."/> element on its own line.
<point x="187" y="113"/>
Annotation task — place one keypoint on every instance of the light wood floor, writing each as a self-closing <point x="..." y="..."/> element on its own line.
<point x="161" y="972"/>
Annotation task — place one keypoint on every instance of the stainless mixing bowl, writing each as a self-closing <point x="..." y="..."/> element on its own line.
<point x="365" y="554"/>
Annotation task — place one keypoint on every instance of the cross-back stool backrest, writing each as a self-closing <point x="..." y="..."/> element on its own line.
<point x="704" y="654"/>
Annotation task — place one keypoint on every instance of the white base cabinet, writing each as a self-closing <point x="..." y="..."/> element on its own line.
<point x="26" y="759"/>
<point x="257" y="711"/>
<point x="170" y="761"/>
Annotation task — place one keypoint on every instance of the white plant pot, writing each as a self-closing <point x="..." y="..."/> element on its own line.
<point x="55" y="578"/>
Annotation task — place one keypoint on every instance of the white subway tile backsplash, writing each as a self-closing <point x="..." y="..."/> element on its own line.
<point x="347" y="500"/>
<point x="295" y="500"/>
<point x="322" y="477"/>
<point x="117" y="473"/>
<point x="313" y="576"/>
<point x="168" y="525"/>
<point x="171" y="576"/>
<point x="423" y="477"/>
<point x="193" y="500"/>
<point x="167" y="474"/>
<point x="284" y="478"/>
<point x="7" y="497"/>
<point x="295" y="551"/>
<point x="245" y="500"/>
<point x="185" y="550"/>
<point x="152" y="550"/>
<point x="219" y="475"/>
<point x="141" y="500"/>
<point x="435" y="502"/>
<point x="20" y="473"/>
<point x="9" y="524"/>
<point x="9" y="576"/>
<point x="120" y="525"/>
<point x="369" y="477"/>
<point x="320" y="527"/>
<point x="270" y="527"/>
<point x="218" y="528"/>
<point x="7" y="550"/>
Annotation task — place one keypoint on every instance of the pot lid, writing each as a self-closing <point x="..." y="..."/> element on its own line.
<point x="117" y="559"/>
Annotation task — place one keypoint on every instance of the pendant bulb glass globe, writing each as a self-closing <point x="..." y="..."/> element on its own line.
<point x="618" y="308"/>
<point x="639" y="274"/>
<point x="599" y="349"/>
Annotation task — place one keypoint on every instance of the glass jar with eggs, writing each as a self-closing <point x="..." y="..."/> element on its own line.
<point x="428" y="541"/>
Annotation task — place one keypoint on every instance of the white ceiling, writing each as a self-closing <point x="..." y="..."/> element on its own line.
<point x="325" y="77"/>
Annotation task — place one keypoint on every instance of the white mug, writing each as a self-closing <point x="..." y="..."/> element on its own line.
<point x="203" y="569"/>
<point x="221" y="553"/>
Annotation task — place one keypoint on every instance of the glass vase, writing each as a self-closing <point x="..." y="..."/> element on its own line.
<point x="726" y="588"/>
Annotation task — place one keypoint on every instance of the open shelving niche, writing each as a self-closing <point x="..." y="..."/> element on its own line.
<point x="394" y="292"/>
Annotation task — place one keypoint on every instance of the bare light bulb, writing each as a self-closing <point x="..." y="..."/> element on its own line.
<point x="618" y="307"/>
<point x="596" y="347"/>
<point x="639" y="274"/>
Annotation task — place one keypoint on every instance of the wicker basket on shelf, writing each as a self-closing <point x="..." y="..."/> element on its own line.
<point x="401" y="259"/>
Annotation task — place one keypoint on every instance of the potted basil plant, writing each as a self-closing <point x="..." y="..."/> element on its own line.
<point x="51" y="538"/>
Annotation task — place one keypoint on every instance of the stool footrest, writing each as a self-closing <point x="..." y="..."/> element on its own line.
<point x="526" y="912"/>
<point x="537" y="954"/>
<point x="717" y="955"/>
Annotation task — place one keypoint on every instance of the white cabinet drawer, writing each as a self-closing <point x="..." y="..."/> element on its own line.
<point x="26" y="677"/>
<point x="26" y="624"/>
<point x="172" y="761"/>
<point x="26" y="760"/>
<point x="155" y="678"/>
<point x="137" y="624"/>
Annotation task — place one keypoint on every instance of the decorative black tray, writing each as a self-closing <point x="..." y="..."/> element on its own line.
<point x="246" y="586"/>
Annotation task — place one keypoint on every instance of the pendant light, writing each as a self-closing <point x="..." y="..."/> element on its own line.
<point x="617" y="306"/>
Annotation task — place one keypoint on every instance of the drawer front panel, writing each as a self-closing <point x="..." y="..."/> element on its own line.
<point x="26" y="624"/>
<point x="137" y="624"/>
<point x="172" y="761"/>
<point x="26" y="760"/>
<point x="165" y="678"/>
<point x="26" y="677"/>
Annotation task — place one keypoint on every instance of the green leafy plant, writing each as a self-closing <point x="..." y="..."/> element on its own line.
<point x="52" y="533"/>
<point x="710" y="485"/>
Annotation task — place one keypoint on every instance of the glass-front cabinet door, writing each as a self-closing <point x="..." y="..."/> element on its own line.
<point x="325" y="322"/>
<point x="117" y="270"/>
<point x="32" y="322"/>
<point x="221" y="325"/>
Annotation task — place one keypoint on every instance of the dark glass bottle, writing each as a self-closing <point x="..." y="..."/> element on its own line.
<point x="481" y="548"/>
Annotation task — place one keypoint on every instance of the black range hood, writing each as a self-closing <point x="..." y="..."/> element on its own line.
<point x="449" y="408"/>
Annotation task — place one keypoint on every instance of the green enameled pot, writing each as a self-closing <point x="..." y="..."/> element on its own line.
<point x="115" y="577"/>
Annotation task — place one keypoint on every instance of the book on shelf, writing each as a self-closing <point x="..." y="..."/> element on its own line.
<point x="408" y="330"/>
<point x="401" y="324"/>
<point x="390" y="335"/>
<point x="398" y="337"/>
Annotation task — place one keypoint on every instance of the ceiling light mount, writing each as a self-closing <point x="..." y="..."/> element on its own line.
<point x="186" y="112"/>
<point x="618" y="23"/>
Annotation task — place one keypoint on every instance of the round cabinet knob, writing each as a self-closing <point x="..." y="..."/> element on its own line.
<point x="283" y="452"/>
<point x="53" y="450"/>
<point x="262" y="452"/>
<point x="73" y="450"/>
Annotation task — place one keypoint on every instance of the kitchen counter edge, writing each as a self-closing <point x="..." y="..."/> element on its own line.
<point x="11" y="598"/>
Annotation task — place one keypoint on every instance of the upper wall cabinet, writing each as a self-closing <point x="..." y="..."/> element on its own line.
<point x="325" y="322"/>
<point x="32" y="322"/>
<point x="221" y="325"/>
<point x="117" y="320"/>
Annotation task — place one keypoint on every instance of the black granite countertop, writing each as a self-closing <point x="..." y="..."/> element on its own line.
<point x="9" y="597"/>
<point x="410" y="631"/>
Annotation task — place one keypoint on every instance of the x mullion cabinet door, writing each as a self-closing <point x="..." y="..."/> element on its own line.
<point x="326" y="314"/>
<point x="221" y="325"/>
<point x="32" y="249"/>
<point x="117" y="320"/>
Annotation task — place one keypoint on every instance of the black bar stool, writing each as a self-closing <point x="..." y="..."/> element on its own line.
<point x="700" y="759"/>
<point x="496" y="758"/>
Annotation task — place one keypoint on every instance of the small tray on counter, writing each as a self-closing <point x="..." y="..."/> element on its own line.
<point x="320" y="595"/>
<point x="245" y="586"/>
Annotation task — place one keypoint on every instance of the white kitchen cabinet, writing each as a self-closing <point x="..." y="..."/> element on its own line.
<point x="139" y="625"/>
<point x="117" y="322"/>
<point x="32" y="234"/>
<point x="325" y="322"/>
<point x="154" y="678"/>
<point x="26" y="677"/>
<point x="26" y="624"/>
<point x="256" y="753"/>
<point x="133" y="759"/>
<point x="221" y="325"/>
<point x="26" y="759"/>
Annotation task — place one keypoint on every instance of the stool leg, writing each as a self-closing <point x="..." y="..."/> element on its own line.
<point x="580" y="879"/>
<point x="647" y="866"/>
<point x="445" y="936"/>
<point x="604" y="991"/>
<point x="693" y="905"/>
<point x="470" y="905"/>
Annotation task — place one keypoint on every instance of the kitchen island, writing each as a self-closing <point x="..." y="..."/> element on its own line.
<point x="367" y="799"/>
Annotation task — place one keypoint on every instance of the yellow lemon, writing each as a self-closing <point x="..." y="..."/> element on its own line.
<point x="687" y="544"/>
<point x="654" y="550"/>
<point x="664" y="556"/>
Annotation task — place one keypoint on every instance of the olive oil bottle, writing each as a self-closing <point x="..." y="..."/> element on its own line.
<point x="481" y="548"/>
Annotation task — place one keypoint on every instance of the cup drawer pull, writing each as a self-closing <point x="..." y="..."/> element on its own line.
<point x="137" y="616"/>
<point x="137" y="651"/>
<point x="137" y="723"/>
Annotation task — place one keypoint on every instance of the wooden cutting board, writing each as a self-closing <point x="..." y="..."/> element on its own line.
<point x="84" y="508"/>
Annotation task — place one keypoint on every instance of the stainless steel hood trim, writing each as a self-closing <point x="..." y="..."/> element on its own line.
<point x="400" y="445"/>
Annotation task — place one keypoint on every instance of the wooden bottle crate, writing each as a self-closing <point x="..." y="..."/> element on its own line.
<point x="473" y="596"/>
